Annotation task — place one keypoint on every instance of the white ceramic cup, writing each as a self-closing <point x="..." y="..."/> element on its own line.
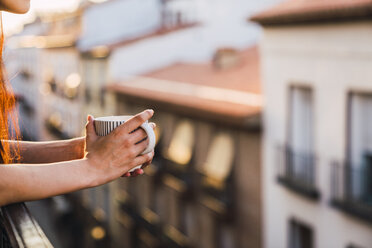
<point x="105" y="125"/>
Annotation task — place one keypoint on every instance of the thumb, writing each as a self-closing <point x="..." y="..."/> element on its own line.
<point x="89" y="129"/>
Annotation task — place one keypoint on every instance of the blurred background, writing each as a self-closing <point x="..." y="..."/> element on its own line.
<point x="263" y="112"/>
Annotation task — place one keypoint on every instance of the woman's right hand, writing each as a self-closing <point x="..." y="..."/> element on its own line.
<point x="112" y="156"/>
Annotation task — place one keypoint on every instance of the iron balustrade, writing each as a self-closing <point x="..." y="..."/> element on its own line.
<point x="297" y="172"/>
<point x="18" y="229"/>
<point x="351" y="189"/>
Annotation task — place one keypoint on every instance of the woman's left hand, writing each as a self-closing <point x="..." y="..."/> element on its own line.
<point x="138" y="172"/>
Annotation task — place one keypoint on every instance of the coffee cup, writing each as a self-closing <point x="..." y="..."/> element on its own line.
<point x="105" y="125"/>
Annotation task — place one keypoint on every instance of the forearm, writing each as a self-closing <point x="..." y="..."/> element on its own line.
<point x="50" y="151"/>
<point x="25" y="182"/>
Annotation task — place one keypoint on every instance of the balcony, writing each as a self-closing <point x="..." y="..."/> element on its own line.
<point x="297" y="172"/>
<point x="148" y="230"/>
<point x="351" y="190"/>
<point x="20" y="229"/>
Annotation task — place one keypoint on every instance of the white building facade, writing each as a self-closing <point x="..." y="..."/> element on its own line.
<point x="317" y="82"/>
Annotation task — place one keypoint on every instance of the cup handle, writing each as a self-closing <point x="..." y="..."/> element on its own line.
<point x="151" y="137"/>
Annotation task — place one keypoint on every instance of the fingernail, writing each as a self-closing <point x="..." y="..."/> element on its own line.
<point x="151" y="111"/>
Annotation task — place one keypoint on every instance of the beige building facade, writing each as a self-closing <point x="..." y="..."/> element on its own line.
<point x="317" y="83"/>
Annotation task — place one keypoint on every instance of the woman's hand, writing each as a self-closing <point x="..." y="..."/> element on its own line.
<point x="138" y="172"/>
<point x="112" y="156"/>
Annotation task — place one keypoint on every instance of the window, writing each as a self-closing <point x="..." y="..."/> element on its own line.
<point x="300" y="162"/>
<point x="301" y="236"/>
<point x="25" y="74"/>
<point x="301" y="120"/>
<point x="208" y="225"/>
<point x="220" y="158"/>
<point x="360" y="150"/>
<point x="27" y="108"/>
<point x="88" y="95"/>
<point x="181" y="146"/>
<point x="102" y="96"/>
<point x="53" y="85"/>
<point x="360" y="127"/>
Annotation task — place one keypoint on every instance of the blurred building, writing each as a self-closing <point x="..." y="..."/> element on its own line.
<point x="44" y="70"/>
<point x="126" y="20"/>
<point x="26" y="62"/>
<point x="316" y="60"/>
<point x="203" y="188"/>
<point x="74" y="55"/>
<point x="120" y="51"/>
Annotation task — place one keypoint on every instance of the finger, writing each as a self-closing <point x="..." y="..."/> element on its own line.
<point x="147" y="163"/>
<point x="135" y="121"/>
<point x="153" y="125"/>
<point x="126" y="174"/>
<point x="138" y="135"/>
<point x="141" y="159"/>
<point x="140" y="147"/>
<point x="137" y="172"/>
<point x="89" y="129"/>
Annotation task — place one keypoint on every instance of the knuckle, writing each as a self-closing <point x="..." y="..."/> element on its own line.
<point x="120" y="129"/>
<point x="126" y="142"/>
<point x="141" y="118"/>
<point x="131" y="153"/>
<point x="149" y="156"/>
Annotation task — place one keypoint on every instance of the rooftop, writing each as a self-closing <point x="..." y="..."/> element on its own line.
<point x="231" y="94"/>
<point x="92" y="51"/>
<point x="310" y="11"/>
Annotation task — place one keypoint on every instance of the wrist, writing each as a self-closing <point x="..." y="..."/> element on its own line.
<point x="95" y="174"/>
<point x="92" y="175"/>
<point x="78" y="147"/>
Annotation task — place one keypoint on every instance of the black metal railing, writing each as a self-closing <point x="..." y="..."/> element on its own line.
<point x="164" y="234"/>
<point x="351" y="189"/>
<point x="297" y="172"/>
<point x="18" y="229"/>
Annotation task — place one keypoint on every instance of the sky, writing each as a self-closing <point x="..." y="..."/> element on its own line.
<point x="13" y="22"/>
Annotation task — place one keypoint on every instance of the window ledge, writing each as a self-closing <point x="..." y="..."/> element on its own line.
<point x="308" y="191"/>
<point x="355" y="209"/>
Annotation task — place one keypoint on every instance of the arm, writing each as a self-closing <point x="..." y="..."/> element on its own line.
<point x="107" y="158"/>
<point x="23" y="182"/>
<point x="50" y="151"/>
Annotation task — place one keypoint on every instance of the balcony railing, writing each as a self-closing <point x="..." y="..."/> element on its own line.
<point x="351" y="190"/>
<point x="164" y="234"/>
<point x="19" y="229"/>
<point x="297" y="172"/>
